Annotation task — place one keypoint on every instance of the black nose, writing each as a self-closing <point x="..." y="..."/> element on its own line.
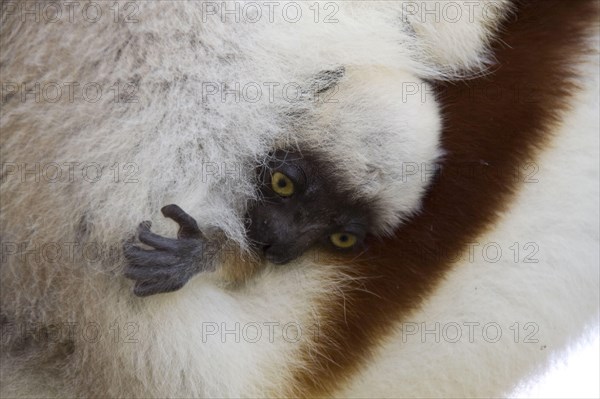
<point x="278" y="254"/>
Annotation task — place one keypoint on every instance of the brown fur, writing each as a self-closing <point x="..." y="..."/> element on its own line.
<point x="237" y="267"/>
<point x="494" y="124"/>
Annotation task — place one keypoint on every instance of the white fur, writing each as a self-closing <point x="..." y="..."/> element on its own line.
<point x="559" y="294"/>
<point x="456" y="33"/>
<point x="169" y="135"/>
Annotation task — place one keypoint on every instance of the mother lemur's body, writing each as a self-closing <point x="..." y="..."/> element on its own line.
<point x="325" y="322"/>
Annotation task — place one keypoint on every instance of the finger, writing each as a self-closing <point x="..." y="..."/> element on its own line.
<point x="188" y="228"/>
<point x="143" y="273"/>
<point x="152" y="287"/>
<point x="147" y="258"/>
<point x="130" y="250"/>
<point x="156" y="241"/>
<point x="145" y="266"/>
<point x="145" y="225"/>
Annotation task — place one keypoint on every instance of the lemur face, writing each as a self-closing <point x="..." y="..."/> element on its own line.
<point x="301" y="206"/>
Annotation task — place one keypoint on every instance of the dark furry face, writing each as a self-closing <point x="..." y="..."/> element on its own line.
<point x="302" y="205"/>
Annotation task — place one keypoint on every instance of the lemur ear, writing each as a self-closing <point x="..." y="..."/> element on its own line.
<point x="453" y="37"/>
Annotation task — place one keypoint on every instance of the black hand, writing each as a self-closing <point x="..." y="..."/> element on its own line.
<point x="172" y="262"/>
<point x="188" y="228"/>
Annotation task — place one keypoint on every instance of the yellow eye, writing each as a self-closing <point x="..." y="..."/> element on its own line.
<point x="343" y="240"/>
<point x="282" y="185"/>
